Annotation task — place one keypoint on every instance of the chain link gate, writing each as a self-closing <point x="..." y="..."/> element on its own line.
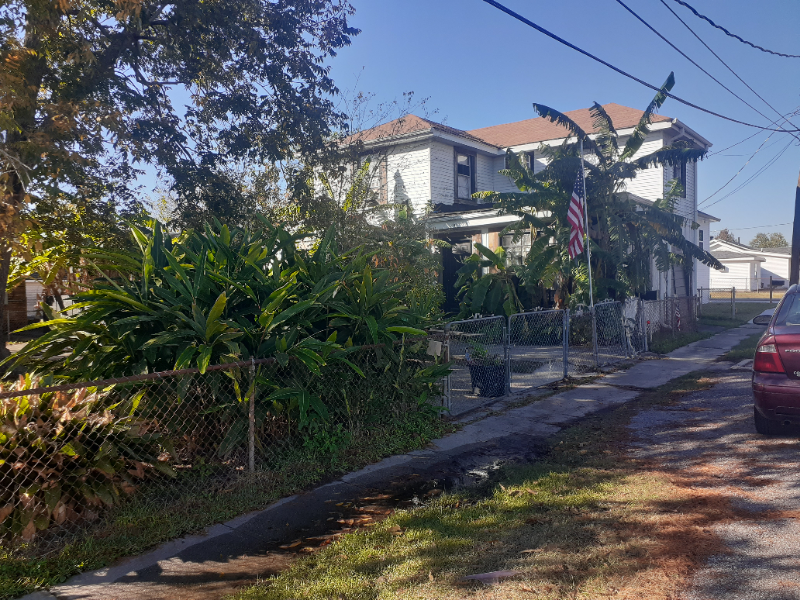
<point x="537" y="348"/>
<point x="477" y="350"/>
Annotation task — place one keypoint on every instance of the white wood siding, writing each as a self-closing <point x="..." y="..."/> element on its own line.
<point x="649" y="183"/>
<point x="409" y="174"/>
<point x="741" y="275"/>
<point x="442" y="187"/>
<point x="776" y="266"/>
<point x="484" y="173"/>
<point x="501" y="183"/>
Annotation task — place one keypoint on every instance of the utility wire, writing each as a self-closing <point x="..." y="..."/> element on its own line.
<point x="733" y="35"/>
<point x="561" y="40"/>
<point x="749" y="137"/>
<point x="687" y="57"/>
<point x="735" y="74"/>
<point x="735" y="175"/>
<point x="752" y="177"/>
<point x="756" y="227"/>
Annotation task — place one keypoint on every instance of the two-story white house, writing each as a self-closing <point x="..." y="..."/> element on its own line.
<point x="433" y="167"/>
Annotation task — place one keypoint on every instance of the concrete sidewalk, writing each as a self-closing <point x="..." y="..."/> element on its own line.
<point x="236" y="553"/>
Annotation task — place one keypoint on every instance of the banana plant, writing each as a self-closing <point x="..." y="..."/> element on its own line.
<point x="624" y="234"/>
<point x="493" y="292"/>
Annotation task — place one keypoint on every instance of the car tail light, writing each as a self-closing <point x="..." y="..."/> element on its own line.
<point x="767" y="359"/>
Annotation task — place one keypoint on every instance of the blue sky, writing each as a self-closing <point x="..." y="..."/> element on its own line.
<point x="479" y="67"/>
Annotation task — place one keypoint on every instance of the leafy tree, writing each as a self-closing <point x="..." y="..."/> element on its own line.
<point x="624" y="234"/>
<point x="726" y="236"/>
<point x="769" y="240"/>
<point x="91" y="88"/>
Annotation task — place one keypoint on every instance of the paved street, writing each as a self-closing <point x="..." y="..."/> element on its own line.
<point x="709" y="438"/>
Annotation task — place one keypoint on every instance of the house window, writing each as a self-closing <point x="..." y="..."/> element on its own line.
<point x="679" y="173"/>
<point x="529" y="162"/>
<point x="465" y="175"/>
<point x="517" y="251"/>
<point x="526" y="158"/>
<point x="377" y="179"/>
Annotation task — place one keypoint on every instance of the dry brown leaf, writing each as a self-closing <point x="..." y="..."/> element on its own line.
<point x="430" y="575"/>
<point x="395" y="530"/>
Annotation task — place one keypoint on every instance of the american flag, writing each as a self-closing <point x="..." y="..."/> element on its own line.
<point x="575" y="217"/>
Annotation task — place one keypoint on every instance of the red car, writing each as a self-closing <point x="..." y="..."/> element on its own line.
<point x="776" y="367"/>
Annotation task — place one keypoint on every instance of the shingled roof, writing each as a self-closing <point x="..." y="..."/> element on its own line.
<point x="541" y="129"/>
<point x="409" y="124"/>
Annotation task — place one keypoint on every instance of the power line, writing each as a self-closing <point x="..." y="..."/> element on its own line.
<point x="735" y="74"/>
<point x="561" y="40"/>
<point x="735" y="175"/>
<point x="687" y="57"/>
<point x="733" y="35"/>
<point x="750" y="137"/>
<point x="756" y="227"/>
<point x="752" y="177"/>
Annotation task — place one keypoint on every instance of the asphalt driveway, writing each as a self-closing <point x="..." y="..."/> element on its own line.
<point x="709" y="438"/>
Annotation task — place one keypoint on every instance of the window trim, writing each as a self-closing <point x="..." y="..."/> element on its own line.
<point x="681" y="176"/>
<point x="473" y="162"/>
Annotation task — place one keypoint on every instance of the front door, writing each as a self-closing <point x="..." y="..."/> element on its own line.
<point x="452" y="260"/>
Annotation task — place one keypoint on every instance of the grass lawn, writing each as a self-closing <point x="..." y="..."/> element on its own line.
<point x="744" y="349"/>
<point x="667" y="343"/>
<point x="587" y="521"/>
<point x="719" y="313"/>
<point x="148" y="519"/>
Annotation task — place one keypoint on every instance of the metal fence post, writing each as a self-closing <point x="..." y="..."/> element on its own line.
<point x="251" y="434"/>
<point x="644" y="326"/>
<point x="507" y="354"/>
<point x="565" y="325"/>
<point x="594" y="338"/>
<point x="733" y="302"/>
<point x="447" y="382"/>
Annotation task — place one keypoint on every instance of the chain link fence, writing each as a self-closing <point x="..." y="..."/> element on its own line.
<point x="478" y="353"/>
<point x="537" y="348"/>
<point x="173" y="447"/>
<point x="669" y="317"/>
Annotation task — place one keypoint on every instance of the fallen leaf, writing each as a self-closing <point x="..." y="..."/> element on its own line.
<point x="529" y="551"/>
<point x="530" y="491"/>
<point x="433" y="492"/>
<point x="430" y="575"/>
<point x="395" y="530"/>
<point x="502" y="487"/>
<point x="290" y="546"/>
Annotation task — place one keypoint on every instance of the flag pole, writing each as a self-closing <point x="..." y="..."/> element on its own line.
<point x="589" y="259"/>
<point x="586" y="221"/>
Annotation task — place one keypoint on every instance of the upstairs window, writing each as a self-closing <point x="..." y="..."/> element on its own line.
<point x="376" y="179"/>
<point x="700" y="237"/>
<point x="526" y="158"/>
<point x="465" y="175"/>
<point x="679" y="173"/>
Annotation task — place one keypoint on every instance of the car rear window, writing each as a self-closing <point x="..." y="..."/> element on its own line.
<point x="789" y="313"/>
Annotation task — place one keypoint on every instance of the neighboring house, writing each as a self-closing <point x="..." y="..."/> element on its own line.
<point x="749" y="268"/>
<point x="430" y="166"/>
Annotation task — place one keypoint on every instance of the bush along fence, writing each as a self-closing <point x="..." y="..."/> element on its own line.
<point x="73" y="456"/>
<point x="493" y="356"/>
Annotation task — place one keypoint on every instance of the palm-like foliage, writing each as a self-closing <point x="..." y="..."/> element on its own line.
<point x="217" y="296"/>
<point x="493" y="293"/>
<point x="624" y="234"/>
